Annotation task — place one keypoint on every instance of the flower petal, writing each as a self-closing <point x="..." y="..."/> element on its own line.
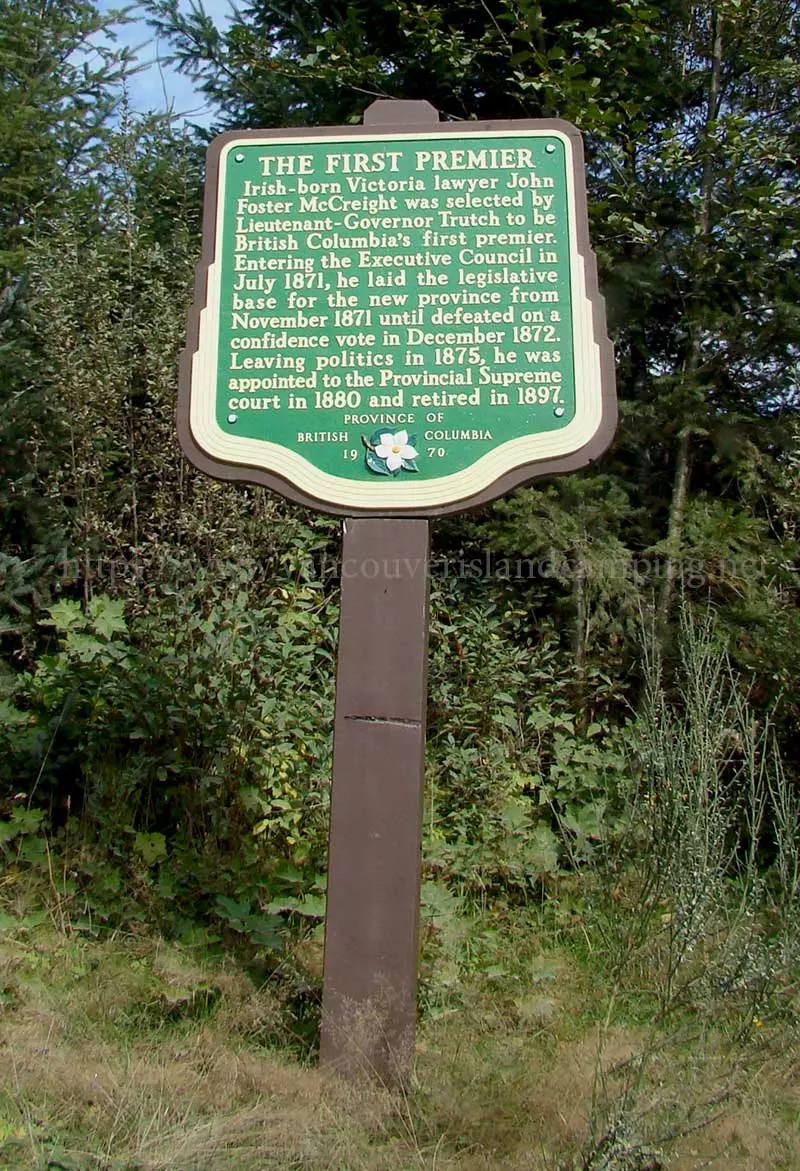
<point x="387" y="440"/>
<point x="400" y="439"/>
<point x="393" y="462"/>
<point x="408" y="452"/>
<point x="383" y="451"/>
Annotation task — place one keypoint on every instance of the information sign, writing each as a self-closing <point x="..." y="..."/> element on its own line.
<point x="397" y="322"/>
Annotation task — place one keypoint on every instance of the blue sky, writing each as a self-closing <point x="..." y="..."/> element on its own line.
<point x="157" y="86"/>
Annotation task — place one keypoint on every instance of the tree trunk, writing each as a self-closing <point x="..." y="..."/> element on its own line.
<point x="677" y="512"/>
<point x="581" y="610"/>
<point x="680" y="483"/>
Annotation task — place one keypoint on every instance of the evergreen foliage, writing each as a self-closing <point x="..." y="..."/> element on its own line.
<point x="168" y="642"/>
<point x="58" y="84"/>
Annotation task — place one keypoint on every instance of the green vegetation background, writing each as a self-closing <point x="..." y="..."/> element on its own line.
<point x="614" y="681"/>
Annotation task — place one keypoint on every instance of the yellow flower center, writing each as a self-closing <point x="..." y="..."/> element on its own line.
<point x="396" y="450"/>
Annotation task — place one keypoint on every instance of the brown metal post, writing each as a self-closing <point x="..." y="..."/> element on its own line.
<point x="370" y="976"/>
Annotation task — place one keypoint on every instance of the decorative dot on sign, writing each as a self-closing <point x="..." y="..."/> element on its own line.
<point x="549" y="148"/>
<point x="239" y="158"/>
<point x="558" y="412"/>
<point x="232" y="418"/>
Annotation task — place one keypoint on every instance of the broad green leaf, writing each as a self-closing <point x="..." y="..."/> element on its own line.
<point x="152" y="847"/>
<point x="66" y="615"/>
<point x="106" y="615"/>
<point x="543" y="850"/>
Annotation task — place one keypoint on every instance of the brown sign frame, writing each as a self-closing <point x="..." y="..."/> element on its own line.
<point x="400" y="117"/>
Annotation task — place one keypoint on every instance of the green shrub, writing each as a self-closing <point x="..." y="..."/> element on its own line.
<point x="191" y="748"/>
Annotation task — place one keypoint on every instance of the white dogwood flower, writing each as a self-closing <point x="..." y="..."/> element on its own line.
<point x="394" y="449"/>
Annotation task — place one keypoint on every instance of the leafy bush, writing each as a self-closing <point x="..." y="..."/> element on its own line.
<point x="518" y="782"/>
<point x="193" y="747"/>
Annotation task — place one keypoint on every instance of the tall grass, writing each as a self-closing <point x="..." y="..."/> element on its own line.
<point x="706" y="880"/>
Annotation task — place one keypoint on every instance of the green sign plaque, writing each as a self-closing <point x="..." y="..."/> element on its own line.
<point x="397" y="321"/>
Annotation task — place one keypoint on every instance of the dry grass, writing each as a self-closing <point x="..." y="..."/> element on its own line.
<point x="136" y="1056"/>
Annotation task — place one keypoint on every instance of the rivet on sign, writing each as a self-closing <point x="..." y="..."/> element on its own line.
<point x="232" y="418"/>
<point x="549" y="148"/>
<point x="239" y="158"/>
<point x="559" y="411"/>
